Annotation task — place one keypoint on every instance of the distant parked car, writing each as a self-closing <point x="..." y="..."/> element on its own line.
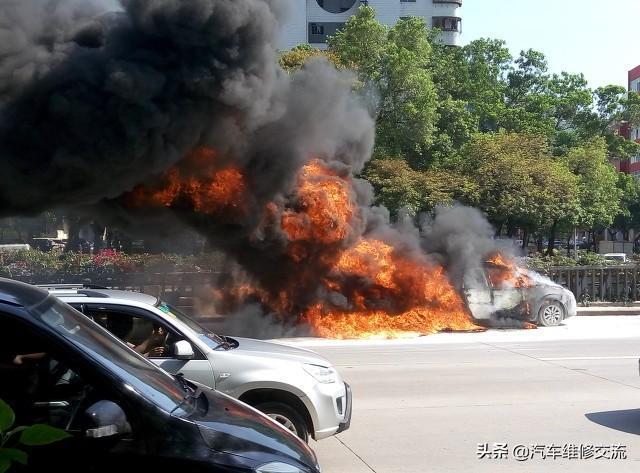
<point x="47" y="244"/>
<point x="15" y="247"/>
<point x="617" y="257"/>
<point x="296" y="387"/>
<point x="123" y="412"/>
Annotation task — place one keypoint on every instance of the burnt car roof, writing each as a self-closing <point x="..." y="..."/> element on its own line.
<point x="20" y="294"/>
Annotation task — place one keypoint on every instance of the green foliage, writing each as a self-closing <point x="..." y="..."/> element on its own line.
<point x="7" y="417"/>
<point x="544" y="263"/>
<point x="41" y="434"/>
<point x="592" y="259"/>
<point x="296" y="58"/>
<point x="25" y="264"/>
<point x="400" y="187"/>
<point x="598" y="191"/>
<point x="30" y="436"/>
<point x="629" y="215"/>
<point x="518" y="181"/>
<point x="361" y="44"/>
<point x="392" y="66"/>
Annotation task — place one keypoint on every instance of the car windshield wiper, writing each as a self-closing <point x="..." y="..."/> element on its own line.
<point x="223" y="344"/>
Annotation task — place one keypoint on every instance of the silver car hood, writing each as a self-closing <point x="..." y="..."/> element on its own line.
<point x="260" y="348"/>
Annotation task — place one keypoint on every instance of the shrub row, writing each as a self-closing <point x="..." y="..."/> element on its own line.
<point x="25" y="263"/>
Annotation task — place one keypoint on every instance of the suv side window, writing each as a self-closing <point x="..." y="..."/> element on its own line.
<point x="141" y="331"/>
<point x="138" y="333"/>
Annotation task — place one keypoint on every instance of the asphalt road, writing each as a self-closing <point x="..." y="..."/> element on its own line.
<point x="429" y="405"/>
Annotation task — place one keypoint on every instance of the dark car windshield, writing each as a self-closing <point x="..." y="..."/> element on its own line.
<point x="189" y="322"/>
<point x="138" y="373"/>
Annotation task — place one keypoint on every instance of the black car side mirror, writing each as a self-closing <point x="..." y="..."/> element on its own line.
<point x="105" y="419"/>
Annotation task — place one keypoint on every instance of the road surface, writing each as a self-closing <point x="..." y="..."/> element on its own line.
<point x="430" y="404"/>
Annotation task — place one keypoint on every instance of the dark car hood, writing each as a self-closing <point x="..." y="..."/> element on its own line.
<point x="230" y="426"/>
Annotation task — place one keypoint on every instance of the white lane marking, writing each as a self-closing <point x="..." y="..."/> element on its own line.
<point x="630" y="357"/>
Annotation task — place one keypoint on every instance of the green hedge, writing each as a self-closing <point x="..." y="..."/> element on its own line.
<point x="541" y="263"/>
<point x="26" y="263"/>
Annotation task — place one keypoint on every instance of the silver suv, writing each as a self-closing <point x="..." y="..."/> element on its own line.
<point x="296" y="387"/>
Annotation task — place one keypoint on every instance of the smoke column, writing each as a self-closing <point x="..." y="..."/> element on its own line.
<point x="157" y="111"/>
<point x="93" y="102"/>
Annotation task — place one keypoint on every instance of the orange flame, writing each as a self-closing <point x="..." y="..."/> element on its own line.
<point x="503" y="272"/>
<point x="382" y="294"/>
<point x="366" y="286"/>
<point x="323" y="211"/>
<point x="195" y="183"/>
<point x="422" y="299"/>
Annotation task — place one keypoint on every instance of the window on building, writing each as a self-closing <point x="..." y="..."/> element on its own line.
<point x="447" y="23"/>
<point x="318" y="32"/>
<point x="407" y="1"/>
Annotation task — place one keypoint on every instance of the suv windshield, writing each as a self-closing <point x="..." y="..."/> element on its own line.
<point x="188" y="321"/>
<point x="141" y="375"/>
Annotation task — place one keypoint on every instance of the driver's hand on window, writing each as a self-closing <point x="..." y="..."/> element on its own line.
<point x="155" y="352"/>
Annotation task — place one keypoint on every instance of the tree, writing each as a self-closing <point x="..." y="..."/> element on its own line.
<point x="613" y="106"/>
<point x="519" y="182"/>
<point x="295" y="58"/>
<point x="598" y="190"/>
<point x="483" y="84"/>
<point x="399" y="187"/>
<point x="391" y="64"/>
<point x="629" y="215"/>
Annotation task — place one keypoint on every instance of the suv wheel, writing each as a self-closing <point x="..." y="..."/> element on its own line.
<point x="286" y="416"/>
<point x="551" y="314"/>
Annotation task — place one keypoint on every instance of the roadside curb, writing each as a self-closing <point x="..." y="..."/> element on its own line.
<point x="605" y="311"/>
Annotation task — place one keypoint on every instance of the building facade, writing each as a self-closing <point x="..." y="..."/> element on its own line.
<point x="631" y="165"/>
<point x="312" y="21"/>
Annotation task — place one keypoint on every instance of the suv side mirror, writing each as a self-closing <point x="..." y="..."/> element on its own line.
<point x="183" y="350"/>
<point x="105" y="419"/>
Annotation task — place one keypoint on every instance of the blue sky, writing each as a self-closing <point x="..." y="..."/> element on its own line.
<point x="600" y="38"/>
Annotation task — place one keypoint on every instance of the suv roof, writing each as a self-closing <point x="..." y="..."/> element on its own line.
<point x="80" y="291"/>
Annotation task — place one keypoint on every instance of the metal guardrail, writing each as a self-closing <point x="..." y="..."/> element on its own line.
<point x="613" y="283"/>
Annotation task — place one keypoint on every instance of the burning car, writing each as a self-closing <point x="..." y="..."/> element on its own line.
<point x="502" y="294"/>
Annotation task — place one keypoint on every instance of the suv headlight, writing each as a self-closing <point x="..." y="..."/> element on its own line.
<point x="323" y="374"/>
<point x="277" y="467"/>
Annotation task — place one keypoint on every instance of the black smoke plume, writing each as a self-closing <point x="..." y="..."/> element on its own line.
<point x="100" y="98"/>
<point x="94" y="102"/>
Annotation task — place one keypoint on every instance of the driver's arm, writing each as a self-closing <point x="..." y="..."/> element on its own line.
<point x="20" y="359"/>
<point x="154" y="344"/>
